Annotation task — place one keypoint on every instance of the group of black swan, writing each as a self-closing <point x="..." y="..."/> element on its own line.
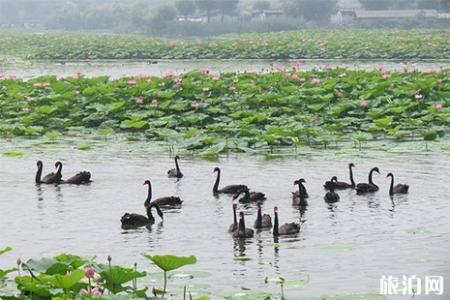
<point x="237" y="228"/>
<point x="56" y="177"/>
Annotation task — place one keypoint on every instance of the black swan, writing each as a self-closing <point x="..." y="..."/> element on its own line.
<point x="262" y="221"/>
<point x="249" y="196"/>
<point x="80" y="178"/>
<point x="242" y="232"/>
<point x="49" y="178"/>
<point x="234" y="226"/>
<point x="163" y="201"/>
<point x="175" y="172"/>
<point x="397" y="189"/>
<point x="302" y="189"/>
<point x="135" y="220"/>
<point x="298" y="197"/>
<point x="340" y="185"/>
<point x="287" y="228"/>
<point x="331" y="196"/>
<point x="229" y="189"/>
<point x="363" y="188"/>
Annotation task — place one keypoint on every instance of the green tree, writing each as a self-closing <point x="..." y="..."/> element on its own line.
<point x="318" y="11"/>
<point x="376" y="4"/>
<point x="261" y="5"/>
<point x="163" y="14"/>
<point x="185" y="7"/>
<point x="207" y="6"/>
<point x="226" y="7"/>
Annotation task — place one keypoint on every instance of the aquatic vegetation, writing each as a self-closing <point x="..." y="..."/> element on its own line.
<point x="265" y="111"/>
<point x="169" y="263"/>
<point x="350" y="44"/>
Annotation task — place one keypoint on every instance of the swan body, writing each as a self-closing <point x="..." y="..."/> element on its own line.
<point x="135" y="220"/>
<point x="340" y="185"/>
<point x="285" y="229"/>
<point x="234" y="226"/>
<point x="249" y="196"/>
<point x="331" y="196"/>
<point x="397" y="189"/>
<point x="262" y="221"/>
<point x="176" y="172"/>
<point x="163" y="201"/>
<point x="242" y="232"/>
<point x="299" y="197"/>
<point x="370" y="187"/>
<point x="229" y="189"/>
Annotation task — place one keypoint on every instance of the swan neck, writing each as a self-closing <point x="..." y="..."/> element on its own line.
<point x="351" y="176"/>
<point x="149" y="194"/>
<point x="149" y="214"/>
<point x="259" y="218"/>
<point x="177" y="166"/>
<point x="38" y="174"/>
<point x="275" y="224"/>
<point x="216" y="184"/>
<point x="391" y="188"/>
<point x="370" y="176"/>
<point x="234" y="217"/>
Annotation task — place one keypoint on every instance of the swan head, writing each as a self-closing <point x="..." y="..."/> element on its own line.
<point x="334" y="178"/>
<point x="390" y="174"/>
<point x="216" y="169"/>
<point x="39" y="163"/>
<point x="376" y="170"/>
<point x="351" y="165"/>
<point x="58" y="164"/>
<point x="275" y="209"/>
<point x="147" y="182"/>
<point x="177" y="157"/>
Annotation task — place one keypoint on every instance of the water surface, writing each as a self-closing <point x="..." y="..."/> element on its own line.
<point x="122" y="68"/>
<point x="344" y="248"/>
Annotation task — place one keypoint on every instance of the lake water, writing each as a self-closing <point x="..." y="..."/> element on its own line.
<point x="341" y="249"/>
<point x="121" y="68"/>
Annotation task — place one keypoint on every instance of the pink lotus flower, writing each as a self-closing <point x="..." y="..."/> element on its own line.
<point x="89" y="272"/>
<point x="169" y="74"/>
<point x="216" y="78"/>
<point x="205" y="71"/>
<point x="131" y="82"/>
<point x="381" y="69"/>
<point x="178" y="81"/>
<point x="205" y="89"/>
<point x="41" y="85"/>
<point x="386" y="75"/>
<point x="155" y="102"/>
<point x="78" y="75"/>
<point x="96" y="291"/>
<point x="438" y="106"/>
<point x="315" y="80"/>
<point x="232" y="89"/>
<point x="280" y="68"/>
<point x="418" y="95"/>
<point x="363" y="104"/>
<point x="313" y="120"/>
<point x="142" y="75"/>
<point x="139" y="101"/>
<point x="328" y="67"/>
<point x="195" y="105"/>
<point x="298" y="63"/>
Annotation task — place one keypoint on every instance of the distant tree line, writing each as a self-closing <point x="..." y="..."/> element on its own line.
<point x="185" y="17"/>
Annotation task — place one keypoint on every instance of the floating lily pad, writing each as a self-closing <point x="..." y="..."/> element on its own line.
<point x="13" y="154"/>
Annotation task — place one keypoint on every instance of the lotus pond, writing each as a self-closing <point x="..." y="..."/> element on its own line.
<point x="248" y="112"/>
<point x="27" y="69"/>
<point x="340" y="253"/>
<point x="331" y="44"/>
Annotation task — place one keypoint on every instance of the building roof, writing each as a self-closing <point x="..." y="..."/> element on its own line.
<point x="406" y="13"/>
